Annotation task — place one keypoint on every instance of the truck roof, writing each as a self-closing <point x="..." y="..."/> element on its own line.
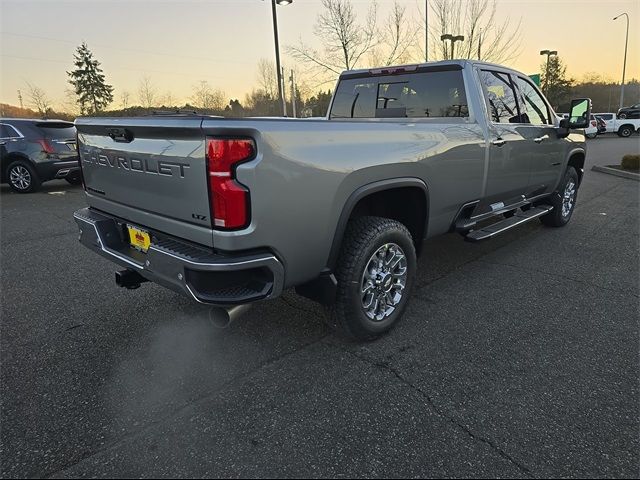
<point x="461" y="63"/>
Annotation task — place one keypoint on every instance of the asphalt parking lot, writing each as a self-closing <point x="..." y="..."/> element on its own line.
<point x="518" y="357"/>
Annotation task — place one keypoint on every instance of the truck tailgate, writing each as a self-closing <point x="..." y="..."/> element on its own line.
<point x="148" y="170"/>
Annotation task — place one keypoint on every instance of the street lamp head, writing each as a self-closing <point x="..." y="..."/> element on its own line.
<point x="284" y="2"/>
<point x="544" y="52"/>
<point x="553" y="52"/>
<point x="446" y="36"/>
<point x="458" y="38"/>
<point x="624" y="13"/>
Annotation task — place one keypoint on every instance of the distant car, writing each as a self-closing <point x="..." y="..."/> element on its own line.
<point x="609" y="119"/>
<point x="630" y="112"/>
<point x="592" y="130"/>
<point x="36" y="151"/>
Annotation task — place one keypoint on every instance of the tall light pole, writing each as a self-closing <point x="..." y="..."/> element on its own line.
<point x="453" y="39"/>
<point x="548" y="53"/>
<point x="278" y="68"/>
<point x="624" y="65"/>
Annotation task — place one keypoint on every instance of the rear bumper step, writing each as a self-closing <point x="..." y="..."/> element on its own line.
<point x="519" y="218"/>
<point x="206" y="276"/>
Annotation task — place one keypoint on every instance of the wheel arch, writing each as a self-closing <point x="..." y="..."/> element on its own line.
<point x="576" y="159"/>
<point x="396" y="189"/>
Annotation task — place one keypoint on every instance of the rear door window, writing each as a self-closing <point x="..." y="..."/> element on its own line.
<point x="7" y="131"/>
<point x="414" y="95"/>
<point x="500" y="97"/>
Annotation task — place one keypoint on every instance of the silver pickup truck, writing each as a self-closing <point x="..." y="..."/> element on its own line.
<point x="231" y="211"/>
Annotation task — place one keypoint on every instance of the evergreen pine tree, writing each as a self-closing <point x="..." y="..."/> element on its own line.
<point x="88" y="81"/>
<point x="555" y="85"/>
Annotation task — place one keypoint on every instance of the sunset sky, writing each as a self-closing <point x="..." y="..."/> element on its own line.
<point x="178" y="43"/>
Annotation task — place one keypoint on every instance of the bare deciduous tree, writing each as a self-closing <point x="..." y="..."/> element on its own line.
<point x="345" y="41"/>
<point x="38" y="99"/>
<point x="486" y="37"/>
<point x="398" y="38"/>
<point x="146" y="93"/>
<point x="208" y="98"/>
<point x="267" y="79"/>
<point x="124" y="99"/>
<point x="169" y="100"/>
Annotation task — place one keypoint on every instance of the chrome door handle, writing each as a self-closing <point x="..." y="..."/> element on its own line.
<point x="498" y="142"/>
<point x="540" y="139"/>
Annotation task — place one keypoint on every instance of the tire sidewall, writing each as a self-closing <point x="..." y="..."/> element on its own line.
<point x="367" y="328"/>
<point x="625" y="132"/>
<point x="570" y="174"/>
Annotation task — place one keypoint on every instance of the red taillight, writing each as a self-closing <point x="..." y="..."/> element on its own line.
<point x="46" y="146"/>
<point x="229" y="200"/>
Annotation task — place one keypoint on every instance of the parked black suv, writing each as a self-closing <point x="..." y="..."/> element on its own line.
<point x="35" y="151"/>
<point x="630" y="112"/>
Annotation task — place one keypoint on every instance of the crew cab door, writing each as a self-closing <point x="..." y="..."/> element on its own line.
<point x="538" y="127"/>
<point x="509" y="162"/>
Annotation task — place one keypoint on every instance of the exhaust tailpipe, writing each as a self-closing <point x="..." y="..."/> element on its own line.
<point x="221" y="317"/>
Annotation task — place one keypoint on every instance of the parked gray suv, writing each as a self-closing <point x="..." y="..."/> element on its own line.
<point x="231" y="211"/>
<point x="33" y="151"/>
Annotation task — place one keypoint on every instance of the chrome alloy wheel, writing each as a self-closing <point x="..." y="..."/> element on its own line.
<point x="20" y="177"/>
<point x="568" y="198"/>
<point x="383" y="281"/>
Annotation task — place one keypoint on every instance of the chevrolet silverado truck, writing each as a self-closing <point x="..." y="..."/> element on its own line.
<point x="232" y="211"/>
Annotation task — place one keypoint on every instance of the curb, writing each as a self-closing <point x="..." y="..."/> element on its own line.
<point x="616" y="172"/>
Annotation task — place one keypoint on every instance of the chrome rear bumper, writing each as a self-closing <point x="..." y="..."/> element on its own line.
<point x="198" y="272"/>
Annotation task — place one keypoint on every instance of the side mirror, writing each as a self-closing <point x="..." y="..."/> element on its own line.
<point x="579" y="115"/>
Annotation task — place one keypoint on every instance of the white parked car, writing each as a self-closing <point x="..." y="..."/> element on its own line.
<point x="592" y="130"/>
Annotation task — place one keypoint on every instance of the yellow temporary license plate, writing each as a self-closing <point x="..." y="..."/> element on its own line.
<point x="138" y="238"/>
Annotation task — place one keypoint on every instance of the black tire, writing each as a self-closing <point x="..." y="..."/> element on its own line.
<point x="22" y="177"/>
<point x="622" y="115"/>
<point x="559" y="217"/>
<point x="625" y="131"/>
<point x="365" y="237"/>
<point x="74" y="179"/>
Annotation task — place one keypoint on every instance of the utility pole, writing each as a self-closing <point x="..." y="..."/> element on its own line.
<point x="479" y="43"/>
<point x="426" y="30"/>
<point x="293" y="94"/>
<point x="284" y="93"/>
<point x="20" y="99"/>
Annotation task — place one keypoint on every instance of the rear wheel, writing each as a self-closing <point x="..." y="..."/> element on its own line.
<point x="625" y="131"/>
<point x="375" y="273"/>
<point x="22" y="177"/>
<point x="563" y="200"/>
<point x="622" y="115"/>
<point x="74" y="179"/>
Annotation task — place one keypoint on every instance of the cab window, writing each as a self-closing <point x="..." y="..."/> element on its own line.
<point x="500" y="97"/>
<point x="534" y="110"/>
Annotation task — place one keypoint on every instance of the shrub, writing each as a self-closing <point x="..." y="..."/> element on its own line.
<point x="631" y="162"/>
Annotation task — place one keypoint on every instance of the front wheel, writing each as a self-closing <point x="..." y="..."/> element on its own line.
<point x="375" y="272"/>
<point x="563" y="200"/>
<point x="622" y="115"/>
